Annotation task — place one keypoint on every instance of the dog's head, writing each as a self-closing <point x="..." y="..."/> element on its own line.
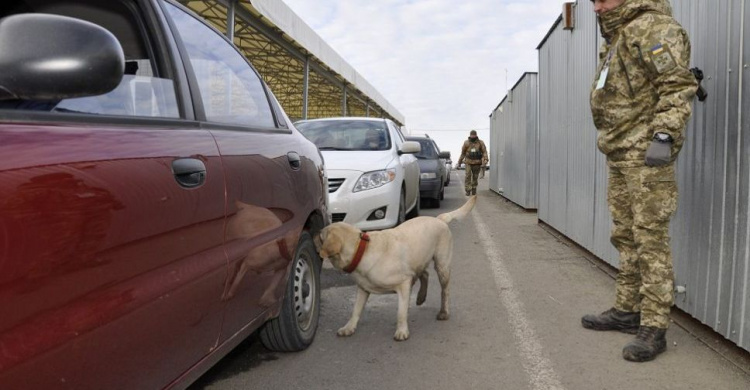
<point x="330" y="242"/>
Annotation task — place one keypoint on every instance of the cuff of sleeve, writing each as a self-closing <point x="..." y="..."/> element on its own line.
<point x="674" y="135"/>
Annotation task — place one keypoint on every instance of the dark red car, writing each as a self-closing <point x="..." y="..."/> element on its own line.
<point x="156" y="204"/>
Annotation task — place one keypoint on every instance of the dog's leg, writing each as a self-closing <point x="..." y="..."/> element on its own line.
<point x="351" y="326"/>
<point x="424" y="279"/>
<point x="402" y="324"/>
<point x="442" y="267"/>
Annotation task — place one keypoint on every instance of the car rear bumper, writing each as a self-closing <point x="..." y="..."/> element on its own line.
<point x="430" y="188"/>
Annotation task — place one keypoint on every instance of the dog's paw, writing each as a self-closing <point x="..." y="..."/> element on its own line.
<point x="401" y="335"/>
<point x="346" y="331"/>
<point x="443" y="316"/>
<point x="420" y="299"/>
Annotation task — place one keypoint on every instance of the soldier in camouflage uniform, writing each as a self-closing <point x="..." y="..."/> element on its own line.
<point x="641" y="101"/>
<point x="475" y="154"/>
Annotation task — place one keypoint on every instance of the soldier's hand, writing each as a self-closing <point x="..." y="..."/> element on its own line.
<point x="659" y="153"/>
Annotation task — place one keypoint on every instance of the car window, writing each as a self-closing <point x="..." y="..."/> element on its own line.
<point x="398" y="132"/>
<point x="140" y="93"/>
<point x="230" y="89"/>
<point x="428" y="149"/>
<point x="346" y="135"/>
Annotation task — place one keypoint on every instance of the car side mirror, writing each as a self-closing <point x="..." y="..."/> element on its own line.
<point x="410" y="147"/>
<point x="52" y="57"/>
<point x="445" y="155"/>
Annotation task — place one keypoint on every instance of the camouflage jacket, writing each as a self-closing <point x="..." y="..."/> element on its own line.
<point x="643" y="84"/>
<point x="469" y="157"/>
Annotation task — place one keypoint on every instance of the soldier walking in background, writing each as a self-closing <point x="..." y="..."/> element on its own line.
<point x="474" y="153"/>
<point x="641" y="101"/>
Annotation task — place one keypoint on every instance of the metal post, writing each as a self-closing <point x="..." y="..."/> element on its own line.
<point x="305" y="87"/>
<point x="230" y="20"/>
<point x="343" y="101"/>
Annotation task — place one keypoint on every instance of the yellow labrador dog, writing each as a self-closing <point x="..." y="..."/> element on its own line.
<point x="392" y="260"/>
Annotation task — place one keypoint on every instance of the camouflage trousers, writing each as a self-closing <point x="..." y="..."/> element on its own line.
<point x="642" y="200"/>
<point x="472" y="177"/>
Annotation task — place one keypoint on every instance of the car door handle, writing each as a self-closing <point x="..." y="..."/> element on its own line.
<point x="189" y="172"/>
<point x="294" y="161"/>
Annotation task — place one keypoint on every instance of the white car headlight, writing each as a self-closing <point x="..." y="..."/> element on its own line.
<point x="428" y="175"/>
<point x="374" y="179"/>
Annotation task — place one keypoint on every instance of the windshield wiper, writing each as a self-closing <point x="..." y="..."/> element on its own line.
<point x="332" y="148"/>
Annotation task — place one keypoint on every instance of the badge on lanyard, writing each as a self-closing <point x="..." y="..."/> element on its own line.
<point x="605" y="69"/>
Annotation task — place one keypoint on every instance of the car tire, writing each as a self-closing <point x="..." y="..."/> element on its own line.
<point x="294" y="329"/>
<point x="401" y="209"/>
<point x="442" y="193"/>
<point x="415" y="211"/>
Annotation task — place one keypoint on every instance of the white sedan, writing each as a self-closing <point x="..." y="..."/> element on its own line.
<point x="373" y="175"/>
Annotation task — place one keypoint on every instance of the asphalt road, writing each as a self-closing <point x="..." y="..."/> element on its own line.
<point x="517" y="297"/>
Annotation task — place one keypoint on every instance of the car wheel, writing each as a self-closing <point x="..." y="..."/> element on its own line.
<point x="415" y="211"/>
<point x="401" y="209"/>
<point x="442" y="193"/>
<point x="294" y="329"/>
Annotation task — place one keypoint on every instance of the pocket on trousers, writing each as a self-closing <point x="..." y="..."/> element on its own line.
<point x="658" y="195"/>
<point x="663" y="173"/>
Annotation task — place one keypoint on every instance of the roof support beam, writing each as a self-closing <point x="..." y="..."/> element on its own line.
<point x="230" y="19"/>
<point x="343" y="100"/>
<point x="277" y="38"/>
<point x="305" y="87"/>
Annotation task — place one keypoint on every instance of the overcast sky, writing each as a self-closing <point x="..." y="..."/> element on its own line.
<point x="441" y="63"/>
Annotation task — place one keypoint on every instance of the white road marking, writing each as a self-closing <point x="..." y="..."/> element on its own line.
<point x="539" y="369"/>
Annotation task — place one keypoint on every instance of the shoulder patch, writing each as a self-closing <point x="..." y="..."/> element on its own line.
<point x="662" y="58"/>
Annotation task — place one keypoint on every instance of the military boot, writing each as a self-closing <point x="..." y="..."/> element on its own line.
<point x="613" y="319"/>
<point x="474" y="191"/>
<point x="649" y="342"/>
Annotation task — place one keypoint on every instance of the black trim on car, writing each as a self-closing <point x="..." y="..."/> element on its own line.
<point x="192" y="82"/>
<point x="56" y="118"/>
<point x="171" y="64"/>
<point x="232" y="127"/>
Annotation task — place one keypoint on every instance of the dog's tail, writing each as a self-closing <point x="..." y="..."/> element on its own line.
<point x="460" y="213"/>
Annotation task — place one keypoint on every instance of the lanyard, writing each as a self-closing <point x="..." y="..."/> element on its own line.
<point x="612" y="50"/>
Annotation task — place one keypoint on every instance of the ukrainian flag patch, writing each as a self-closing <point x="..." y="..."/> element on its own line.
<point x="662" y="59"/>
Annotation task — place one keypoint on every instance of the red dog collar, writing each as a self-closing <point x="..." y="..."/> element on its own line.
<point x="363" y="240"/>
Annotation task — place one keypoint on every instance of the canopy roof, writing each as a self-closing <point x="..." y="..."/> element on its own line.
<point x="278" y="43"/>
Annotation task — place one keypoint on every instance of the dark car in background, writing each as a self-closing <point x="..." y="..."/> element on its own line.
<point x="432" y="167"/>
<point x="157" y="206"/>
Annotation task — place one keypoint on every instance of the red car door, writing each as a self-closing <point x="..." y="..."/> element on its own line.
<point x="112" y="213"/>
<point x="266" y="190"/>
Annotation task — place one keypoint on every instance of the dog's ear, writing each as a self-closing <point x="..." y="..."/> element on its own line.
<point x="318" y="240"/>
<point x="331" y="245"/>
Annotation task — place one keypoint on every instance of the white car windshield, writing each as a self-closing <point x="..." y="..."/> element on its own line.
<point x="346" y="135"/>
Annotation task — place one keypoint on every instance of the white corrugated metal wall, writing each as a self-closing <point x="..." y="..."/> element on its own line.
<point x="513" y="129"/>
<point x="497" y="146"/>
<point x="711" y="231"/>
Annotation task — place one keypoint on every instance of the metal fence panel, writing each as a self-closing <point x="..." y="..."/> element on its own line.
<point x="514" y="148"/>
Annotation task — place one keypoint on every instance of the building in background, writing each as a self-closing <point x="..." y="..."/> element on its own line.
<point x="513" y="136"/>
